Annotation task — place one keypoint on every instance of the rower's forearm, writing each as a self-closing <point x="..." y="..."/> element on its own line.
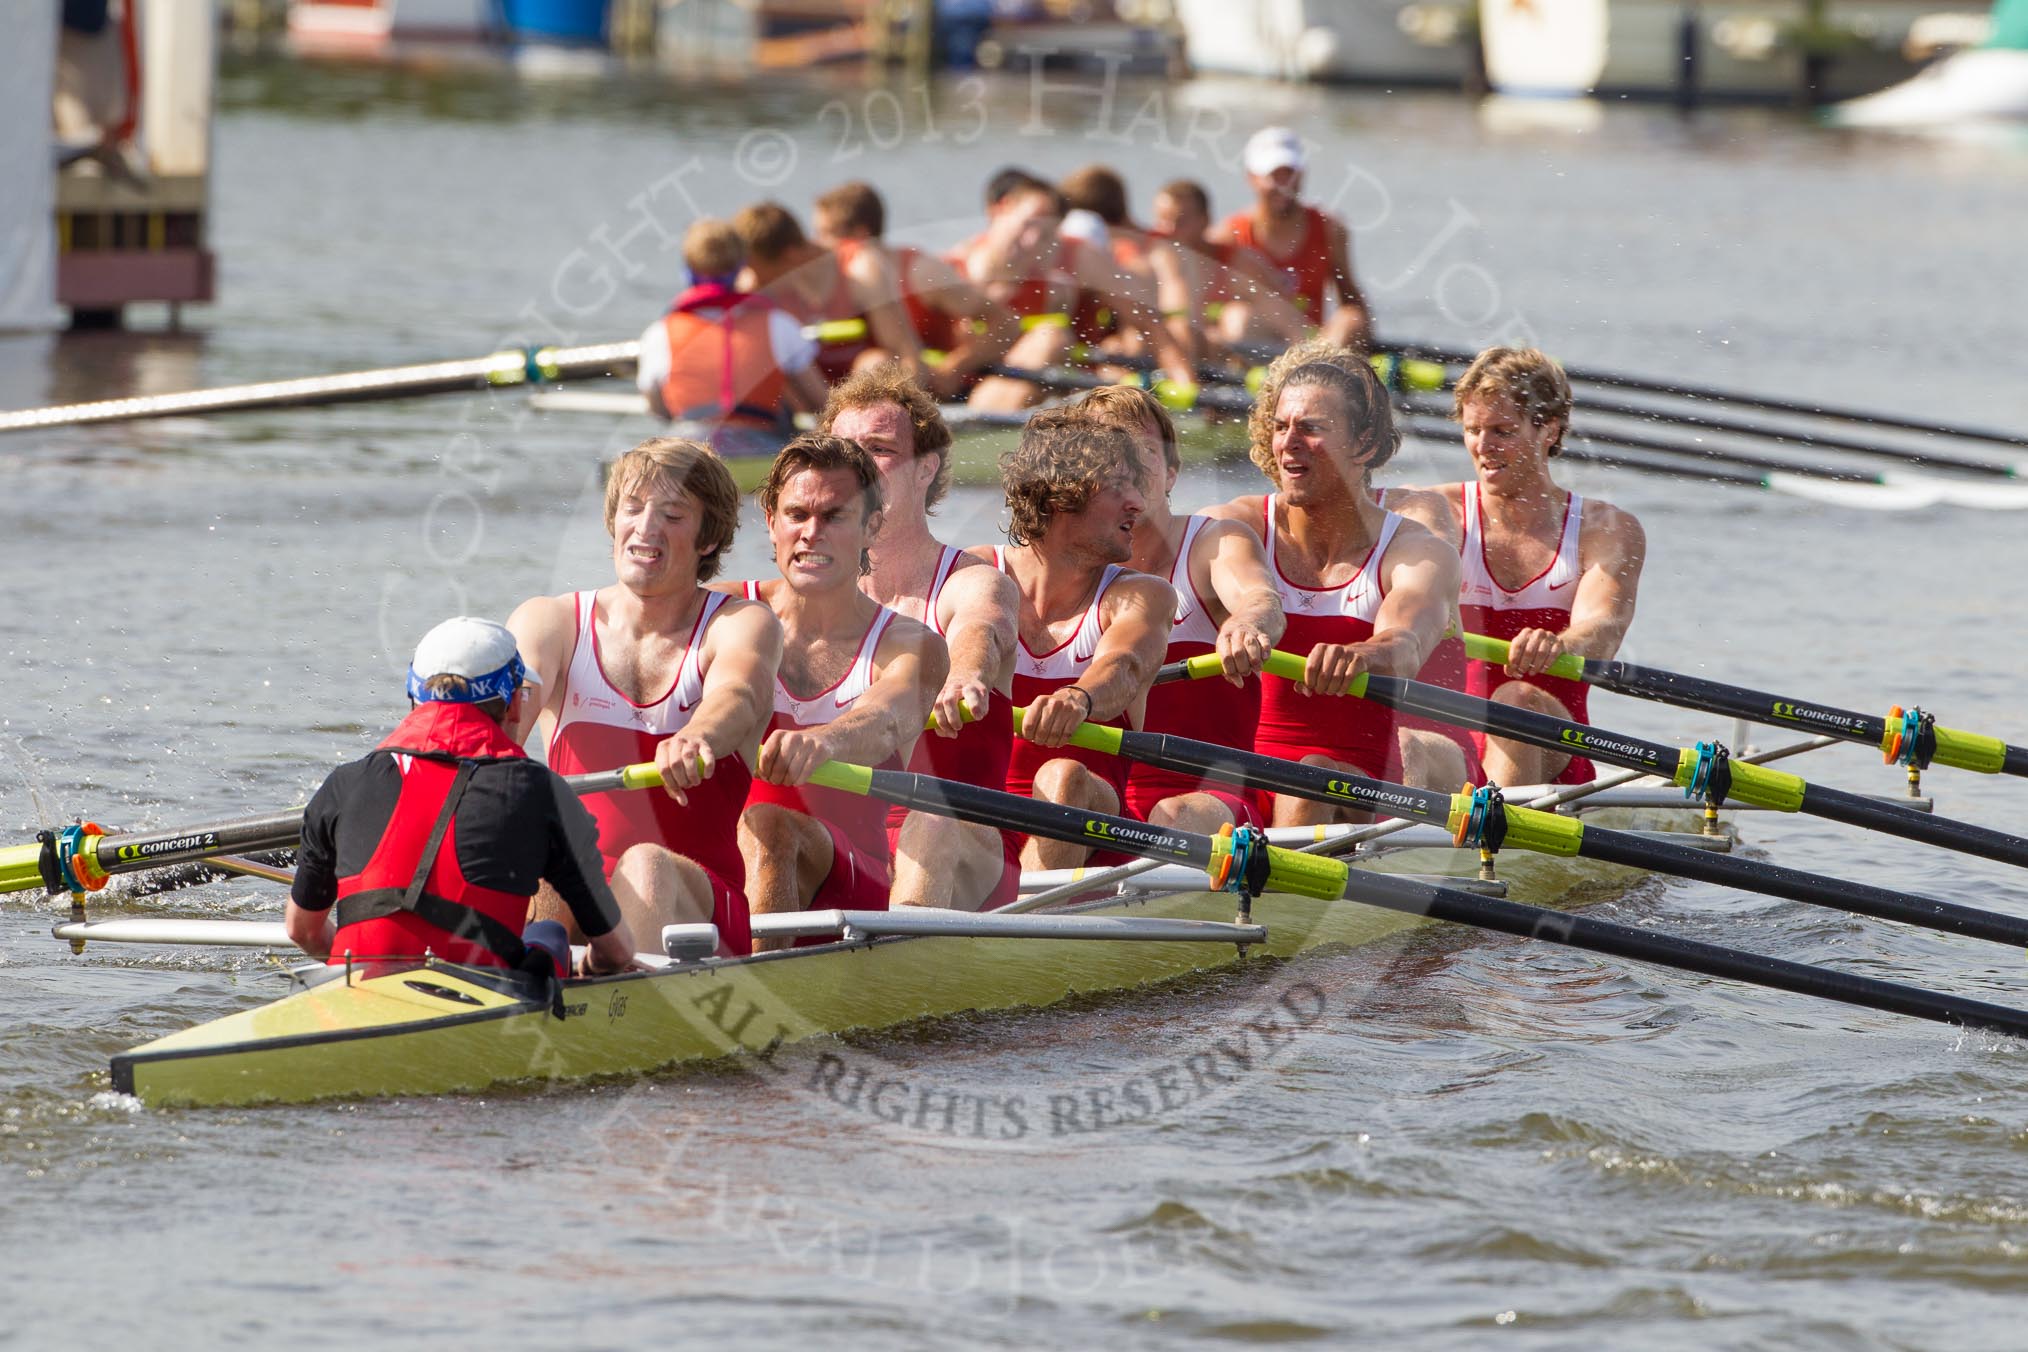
<point x="726" y="720"/>
<point x="868" y="736"/>
<point x="1597" y="639"/>
<point x="1260" y="609"/>
<point x="1114" y="682"/>
<point x="978" y="652"/>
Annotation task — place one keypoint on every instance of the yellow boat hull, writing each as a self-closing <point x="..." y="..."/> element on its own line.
<point x="434" y="1028"/>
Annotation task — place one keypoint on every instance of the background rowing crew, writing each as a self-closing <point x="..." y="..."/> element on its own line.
<point x="1059" y="269"/>
<point x="874" y="629"/>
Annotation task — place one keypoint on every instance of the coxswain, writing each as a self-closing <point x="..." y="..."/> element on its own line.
<point x="808" y="280"/>
<point x="738" y="365"/>
<point x="1024" y="262"/>
<point x="1545" y="569"/>
<point x="1310" y="248"/>
<point x="1427" y="508"/>
<point x="1225" y="603"/>
<point x="1230" y="289"/>
<point x="433" y="843"/>
<point x="921" y="312"/>
<point x="655" y="667"/>
<point x="1092" y="632"/>
<point x="938" y="861"/>
<point x="1363" y="589"/>
<point x="856" y="683"/>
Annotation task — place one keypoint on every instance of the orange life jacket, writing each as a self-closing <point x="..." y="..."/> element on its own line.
<point x="722" y="357"/>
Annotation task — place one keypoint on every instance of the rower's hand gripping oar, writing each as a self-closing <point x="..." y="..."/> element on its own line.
<point x="1704" y="772"/>
<point x="1481" y="819"/>
<point x="1246" y="864"/>
<point x="1907" y="737"/>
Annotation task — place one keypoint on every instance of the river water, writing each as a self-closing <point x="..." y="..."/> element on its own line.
<point x="1477" y="1139"/>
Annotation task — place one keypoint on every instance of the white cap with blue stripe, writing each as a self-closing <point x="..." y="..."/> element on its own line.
<point x="481" y="651"/>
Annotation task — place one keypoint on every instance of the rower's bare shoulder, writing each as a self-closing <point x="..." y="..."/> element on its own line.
<point x="743" y="625"/>
<point x="977" y="554"/>
<point x="1613" y="528"/>
<point x="976" y="582"/>
<point x="1417" y="546"/>
<point x="905" y="637"/>
<point x="1248" y="512"/>
<point x="1151" y="595"/>
<point x="1429" y="508"/>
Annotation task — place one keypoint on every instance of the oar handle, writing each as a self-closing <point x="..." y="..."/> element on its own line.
<point x="1496" y="651"/>
<point x="1289" y="666"/>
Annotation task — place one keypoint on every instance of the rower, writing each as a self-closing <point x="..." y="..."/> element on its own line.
<point x="432" y="844"/>
<point x="920" y="311"/>
<point x="855" y="684"/>
<point x="1312" y="250"/>
<point x="807" y="280"/>
<point x="1091" y="632"/>
<point x="737" y="363"/>
<point x="938" y="860"/>
<point x="1547" y="570"/>
<point x="1225" y="603"/>
<point x="1418" y="738"/>
<point x="655" y="667"/>
<point x="1363" y="589"/>
<point x="1231" y="289"/>
<point x="1148" y="266"/>
<point x="1024" y="262"/>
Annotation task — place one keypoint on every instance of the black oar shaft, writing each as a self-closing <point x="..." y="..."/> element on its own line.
<point x="1556" y="734"/>
<point x="1006" y="811"/>
<point x="1275" y="775"/>
<point x="1691" y="692"/>
<point x="1963" y="750"/>
<point x="134" y="851"/>
<point x="1666" y="950"/>
<point x="1707" y="394"/>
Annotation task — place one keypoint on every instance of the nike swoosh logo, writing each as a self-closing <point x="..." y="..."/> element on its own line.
<point x="1559" y="586"/>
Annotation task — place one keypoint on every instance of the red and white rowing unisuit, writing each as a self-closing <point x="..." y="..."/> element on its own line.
<point x="1356" y="732"/>
<point x="1210" y="710"/>
<point x="860" y="866"/>
<point x="1444" y="667"/>
<point x="977" y="755"/>
<point x="1036" y="674"/>
<point x="598" y="728"/>
<point x="1543" y="602"/>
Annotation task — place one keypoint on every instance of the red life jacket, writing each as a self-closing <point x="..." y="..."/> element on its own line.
<point x="722" y="357"/>
<point x="411" y="895"/>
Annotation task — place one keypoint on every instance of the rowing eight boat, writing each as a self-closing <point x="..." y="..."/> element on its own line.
<point x="437" y="1028"/>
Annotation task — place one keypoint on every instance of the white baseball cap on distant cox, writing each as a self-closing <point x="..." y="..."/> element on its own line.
<point x="1273" y="148"/>
<point x="481" y="651"/>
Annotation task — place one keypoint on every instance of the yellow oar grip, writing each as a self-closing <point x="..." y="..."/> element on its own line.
<point x="1090" y="736"/>
<point x="642" y="776"/>
<point x="19" y="868"/>
<point x="1527" y="829"/>
<point x="1754" y="785"/>
<point x="1304" y="875"/>
<point x="839" y="775"/>
<point x="1969" y="751"/>
<point x="837" y="330"/>
<point x="1495" y="650"/>
<point x="1290" y="667"/>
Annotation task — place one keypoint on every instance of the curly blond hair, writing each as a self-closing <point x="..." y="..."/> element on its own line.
<point x="1064" y="459"/>
<point x="1316" y="362"/>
